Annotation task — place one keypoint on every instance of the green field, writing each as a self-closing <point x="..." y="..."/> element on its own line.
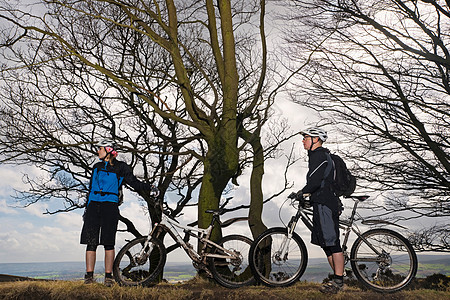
<point x="425" y="269"/>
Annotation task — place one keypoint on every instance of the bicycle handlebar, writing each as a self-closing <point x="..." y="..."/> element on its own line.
<point x="154" y="192"/>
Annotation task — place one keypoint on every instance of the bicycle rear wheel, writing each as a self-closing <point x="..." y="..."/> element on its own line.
<point x="139" y="263"/>
<point x="232" y="272"/>
<point x="269" y="266"/>
<point x="388" y="269"/>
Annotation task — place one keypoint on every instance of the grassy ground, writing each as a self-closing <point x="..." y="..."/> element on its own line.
<point x="193" y="289"/>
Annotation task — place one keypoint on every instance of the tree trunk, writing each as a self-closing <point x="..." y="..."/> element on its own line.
<point x="220" y="164"/>
<point x="256" y="194"/>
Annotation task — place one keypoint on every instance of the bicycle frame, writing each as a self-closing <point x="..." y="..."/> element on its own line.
<point x="141" y="261"/>
<point x="346" y="225"/>
<point x="381" y="259"/>
<point x="170" y="226"/>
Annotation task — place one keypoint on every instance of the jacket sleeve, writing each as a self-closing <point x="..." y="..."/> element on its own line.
<point x="90" y="184"/>
<point x="132" y="181"/>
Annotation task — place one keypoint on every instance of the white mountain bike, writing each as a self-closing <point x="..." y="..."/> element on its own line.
<point x="141" y="260"/>
<point x="382" y="259"/>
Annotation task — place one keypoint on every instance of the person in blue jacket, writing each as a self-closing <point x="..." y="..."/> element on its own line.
<point x="102" y="208"/>
<point x="326" y="205"/>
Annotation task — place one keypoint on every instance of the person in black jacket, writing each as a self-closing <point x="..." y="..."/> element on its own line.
<point x="326" y="205"/>
<point x="102" y="207"/>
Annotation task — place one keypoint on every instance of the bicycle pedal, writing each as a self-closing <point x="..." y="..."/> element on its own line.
<point x="208" y="273"/>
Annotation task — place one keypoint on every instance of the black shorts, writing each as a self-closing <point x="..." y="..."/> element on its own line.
<point x="325" y="226"/>
<point x="100" y="224"/>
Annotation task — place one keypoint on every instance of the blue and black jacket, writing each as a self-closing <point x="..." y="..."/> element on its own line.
<point x="107" y="180"/>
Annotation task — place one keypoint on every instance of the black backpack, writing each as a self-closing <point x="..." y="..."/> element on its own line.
<point x="344" y="182"/>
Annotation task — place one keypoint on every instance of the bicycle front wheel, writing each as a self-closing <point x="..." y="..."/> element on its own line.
<point x="139" y="263"/>
<point x="383" y="260"/>
<point x="276" y="260"/>
<point x="231" y="269"/>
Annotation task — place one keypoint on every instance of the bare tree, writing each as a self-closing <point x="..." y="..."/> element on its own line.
<point x="56" y="111"/>
<point x="381" y="78"/>
<point x="182" y="85"/>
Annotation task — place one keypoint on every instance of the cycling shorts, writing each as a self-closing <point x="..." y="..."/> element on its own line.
<point x="332" y="249"/>
<point x="100" y="224"/>
<point x="325" y="231"/>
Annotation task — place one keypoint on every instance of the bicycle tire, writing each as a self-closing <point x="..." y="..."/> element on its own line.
<point x="389" y="272"/>
<point x="274" y="271"/>
<point x="130" y="270"/>
<point x="232" y="273"/>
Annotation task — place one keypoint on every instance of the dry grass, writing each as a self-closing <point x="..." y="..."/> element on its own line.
<point x="194" y="289"/>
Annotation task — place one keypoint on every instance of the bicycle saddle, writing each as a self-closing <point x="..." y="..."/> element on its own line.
<point x="360" y="198"/>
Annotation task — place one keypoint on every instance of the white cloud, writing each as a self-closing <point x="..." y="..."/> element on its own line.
<point x="8" y="241"/>
<point x="11" y="177"/>
<point x="41" y="245"/>
<point x="37" y="209"/>
<point x="27" y="226"/>
<point x="6" y="209"/>
<point x="69" y="220"/>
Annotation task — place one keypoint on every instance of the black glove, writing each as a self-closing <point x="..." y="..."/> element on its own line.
<point x="341" y="207"/>
<point x="296" y="195"/>
<point x="120" y="197"/>
<point x="154" y="191"/>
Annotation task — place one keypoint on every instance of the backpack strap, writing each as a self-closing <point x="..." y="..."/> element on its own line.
<point x="327" y="169"/>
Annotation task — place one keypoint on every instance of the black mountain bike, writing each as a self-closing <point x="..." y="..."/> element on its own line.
<point x="382" y="259"/>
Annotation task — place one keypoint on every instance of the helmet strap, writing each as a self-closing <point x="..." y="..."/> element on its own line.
<point x="106" y="155"/>
<point x="312" y="142"/>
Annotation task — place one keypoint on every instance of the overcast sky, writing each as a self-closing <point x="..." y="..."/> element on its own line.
<point x="29" y="235"/>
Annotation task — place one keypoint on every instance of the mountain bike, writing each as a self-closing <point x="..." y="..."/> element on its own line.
<point x="381" y="259"/>
<point x="142" y="260"/>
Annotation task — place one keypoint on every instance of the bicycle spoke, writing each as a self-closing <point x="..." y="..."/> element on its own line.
<point x="133" y="266"/>
<point x="391" y="267"/>
<point x="232" y="271"/>
<point x="277" y="261"/>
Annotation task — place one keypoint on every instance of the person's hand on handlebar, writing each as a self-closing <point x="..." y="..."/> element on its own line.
<point x="154" y="191"/>
<point x="298" y="196"/>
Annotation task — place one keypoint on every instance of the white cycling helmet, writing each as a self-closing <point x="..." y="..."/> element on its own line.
<point x="110" y="147"/>
<point x="315" y="131"/>
<point x="106" y="143"/>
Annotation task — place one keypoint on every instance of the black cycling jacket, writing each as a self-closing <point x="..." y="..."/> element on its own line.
<point x="319" y="188"/>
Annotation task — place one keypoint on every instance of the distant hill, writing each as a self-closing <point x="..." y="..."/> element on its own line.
<point x="316" y="270"/>
<point x="9" y="278"/>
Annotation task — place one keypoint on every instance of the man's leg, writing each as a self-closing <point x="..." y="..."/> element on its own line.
<point x="329" y="232"/>
<point x="338" y="263"/>
<point x="329" y="255"/>
<point x="335" y="258"/>
<point x="330" y="261"/>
